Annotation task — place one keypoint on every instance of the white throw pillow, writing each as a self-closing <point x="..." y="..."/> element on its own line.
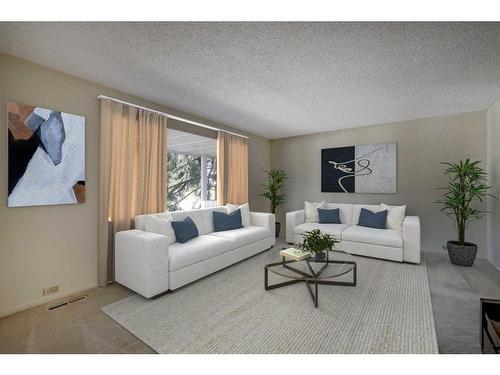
<point x="160" y="224"/>
<point x="245" y="213"/>
<point x="311" y="210"/>
<point x="395" y="216"/>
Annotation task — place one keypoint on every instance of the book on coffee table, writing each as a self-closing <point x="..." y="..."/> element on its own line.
<point x="295" y="254"/>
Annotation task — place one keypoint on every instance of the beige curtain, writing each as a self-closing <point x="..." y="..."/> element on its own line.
<point x="132" y="174"/>
<point x="232" y="169"/>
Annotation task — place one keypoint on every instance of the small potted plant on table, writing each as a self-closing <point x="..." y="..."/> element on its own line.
<point x="467" y="187"/>
<point x="318" y="244"/>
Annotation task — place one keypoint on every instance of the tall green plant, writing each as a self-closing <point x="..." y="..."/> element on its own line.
<point x="272" y="188"/>
<point x="467" y="187"/>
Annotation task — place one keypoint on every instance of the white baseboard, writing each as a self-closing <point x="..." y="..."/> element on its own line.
<point x="495" y="263"/>
<point x="44" y="300"/>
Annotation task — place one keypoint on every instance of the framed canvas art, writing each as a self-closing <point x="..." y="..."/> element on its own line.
<point x="359" y="169"/>
<point x="46" y="156"/>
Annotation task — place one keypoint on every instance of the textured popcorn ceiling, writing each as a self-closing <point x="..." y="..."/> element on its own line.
<point x="279" y="79"/>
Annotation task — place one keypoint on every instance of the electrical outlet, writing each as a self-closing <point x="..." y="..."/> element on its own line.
<point x="51" y="290"/>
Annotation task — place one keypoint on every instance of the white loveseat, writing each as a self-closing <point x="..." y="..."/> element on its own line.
<point x="151" y="263"/>
<point x="401" y="246"/>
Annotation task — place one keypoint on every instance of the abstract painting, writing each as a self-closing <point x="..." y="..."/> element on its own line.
<point x="359" y="169"/>
<point x="46" y="156"/>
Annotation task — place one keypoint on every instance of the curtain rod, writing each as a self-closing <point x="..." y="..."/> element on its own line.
<point x="173" y="117"/>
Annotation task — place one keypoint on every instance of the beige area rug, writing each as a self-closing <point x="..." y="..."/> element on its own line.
<point x="389" y="311"/>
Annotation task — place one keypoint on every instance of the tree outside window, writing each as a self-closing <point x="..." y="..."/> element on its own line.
<point x="191" y="181"/>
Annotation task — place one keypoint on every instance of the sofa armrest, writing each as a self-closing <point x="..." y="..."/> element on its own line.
<point x="263" y="219"/>
<point x="141" y="261"/>
<point x="411" y="239"/>
<point x="293" y="219"/>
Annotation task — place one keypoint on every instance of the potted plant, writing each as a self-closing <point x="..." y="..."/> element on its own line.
<point x="467" y="187"/>
<point x="318" y="243"/>
<point x="272" y="191"/>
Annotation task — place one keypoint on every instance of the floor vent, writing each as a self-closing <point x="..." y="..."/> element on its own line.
<point x="59" y="305"/>
<point x="62" y="304"/>
<point x="76" y="299"/>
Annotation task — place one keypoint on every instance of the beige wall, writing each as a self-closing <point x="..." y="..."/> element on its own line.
<point x="422" y="144"/>
<point x="57" y="245"/>
<point x="260" y="161"/>
<point x="494" y="179"/>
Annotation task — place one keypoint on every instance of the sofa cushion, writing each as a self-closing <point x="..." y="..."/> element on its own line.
<point x="345" y="211"/>
<point x="160" y="224"/>
<point x="329" y="216"/>
<point x="371" y="219"/>
<point x="356" y="209"/>
<point x="332" y="229"/>
<point x="383" y="237"/>
<point x="223" y="221"/>
<point x="395" y="216"/>
<point x="198" y="249"/>
<point x="311" y="211"/>
<point x="195" y="215"/>
<point x="185" y="230"/>
<point x="202" y="217"/>
<point x="244" y="236"/>
<point x="374" y="251"/>
<point x="245" y="212"/>
<point x="207" y="218"/>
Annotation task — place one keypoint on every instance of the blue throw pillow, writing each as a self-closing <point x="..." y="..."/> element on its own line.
<point x="372" y="219"/>
<point x="329" y="216"/>
<point x="185" y="229"/>
<point x="223" y="221"/>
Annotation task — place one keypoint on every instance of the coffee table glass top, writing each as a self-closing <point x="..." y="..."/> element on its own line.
<point x="338" y="268"/>
<point x="339" y="263"/>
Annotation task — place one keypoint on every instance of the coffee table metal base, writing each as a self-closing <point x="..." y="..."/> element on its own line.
<point x="313" y="276"/>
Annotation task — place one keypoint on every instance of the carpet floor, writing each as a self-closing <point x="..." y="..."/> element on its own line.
<point x="389" y="311"/>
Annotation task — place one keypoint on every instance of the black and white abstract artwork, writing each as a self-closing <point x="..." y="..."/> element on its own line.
<point x="46" y="156"/>
<point x="359" y="169"/>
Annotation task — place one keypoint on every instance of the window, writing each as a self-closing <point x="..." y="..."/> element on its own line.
<point x="191" y="171"/>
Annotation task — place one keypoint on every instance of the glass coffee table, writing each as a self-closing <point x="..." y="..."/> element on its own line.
<point x="339" y="268"/>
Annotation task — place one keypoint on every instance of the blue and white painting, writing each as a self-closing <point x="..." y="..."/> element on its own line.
<point x="359" y="169"/>
<point x="46" y="156"/>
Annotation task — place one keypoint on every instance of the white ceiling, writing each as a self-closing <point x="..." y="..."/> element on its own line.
<point x="279" y="79"/>
<point x="192" y="144"/>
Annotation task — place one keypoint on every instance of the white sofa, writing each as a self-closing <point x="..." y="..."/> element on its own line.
<point x="151" y="263"/>
<point x="400" y="246"/>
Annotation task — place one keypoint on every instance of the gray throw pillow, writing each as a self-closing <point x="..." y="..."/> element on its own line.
<point x="185" y="230"/>
<point x="329" y="216"/>
<point x="371" y="219"/>
<point x="223" y="221"/>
